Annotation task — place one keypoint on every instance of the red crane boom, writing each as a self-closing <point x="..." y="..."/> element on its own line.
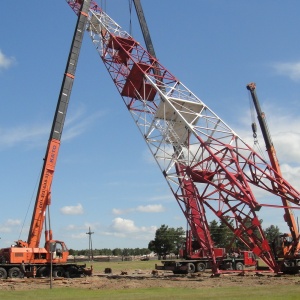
<point x="199" y="155"/>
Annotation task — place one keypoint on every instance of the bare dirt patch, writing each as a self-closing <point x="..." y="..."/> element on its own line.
<point x="145" y="279"/>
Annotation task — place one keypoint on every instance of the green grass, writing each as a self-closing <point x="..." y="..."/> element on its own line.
<point x="123" y="265"/>
<point x="233" y="293"/>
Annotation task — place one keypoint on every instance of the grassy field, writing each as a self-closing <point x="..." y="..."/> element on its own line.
<point x="123" y="265"/>
<point x="261" y="293"/>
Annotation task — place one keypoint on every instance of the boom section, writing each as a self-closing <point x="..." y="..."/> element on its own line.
<point x="289" y="216"/>
<point x="197" y="222"/>
<point x="181" y="130"/>
<point x="43" y="198"/>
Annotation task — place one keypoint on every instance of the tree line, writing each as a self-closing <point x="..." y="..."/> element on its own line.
<point x="170" y="240"/>
<point x="111" y="252"/>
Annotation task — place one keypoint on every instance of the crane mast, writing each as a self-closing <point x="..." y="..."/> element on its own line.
<point x="198" y="223"/>
<point x="43" y="198"/>
<point x="199" y="155"/>
<point x="288" y="216"/>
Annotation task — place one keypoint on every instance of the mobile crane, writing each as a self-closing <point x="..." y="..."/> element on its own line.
<point x="287" y="246"/>
<point x="26" y="258"/>
<point x="205" y="163"/>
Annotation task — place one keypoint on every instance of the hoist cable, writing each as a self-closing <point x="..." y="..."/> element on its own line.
<point x="130" y="13"/>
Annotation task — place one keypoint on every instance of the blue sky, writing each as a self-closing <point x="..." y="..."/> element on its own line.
<point x="105" y="178"/>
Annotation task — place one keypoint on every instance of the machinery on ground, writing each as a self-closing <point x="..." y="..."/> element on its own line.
<point x="28" y="258"/>
<point x="193" y="259"/>
<point x="205" y="163"/>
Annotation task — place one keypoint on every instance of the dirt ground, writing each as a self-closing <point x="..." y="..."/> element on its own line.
<point x="145" y="279"/>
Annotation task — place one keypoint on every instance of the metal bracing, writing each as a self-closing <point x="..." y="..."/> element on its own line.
<point x="205" y="163"/>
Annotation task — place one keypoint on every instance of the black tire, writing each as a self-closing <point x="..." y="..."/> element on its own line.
<point x="43" y="272"/>
<point x="58" y="272"/>
<point x="15" y="272"/>
<point x="288" y="263"/>
<point x="239" y="266"/>
<point x="72" y="272"/>
<point x="200" y="267"/>
<point x="3" y="273"/>
<point x="191" y="268"/>
<point x="298" y="263"/>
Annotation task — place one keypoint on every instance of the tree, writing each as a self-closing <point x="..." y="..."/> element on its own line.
<point x="221" y="235"/>
<point x="167" y="240"/>
<point x="271" y="233"/>
<point x="215" y="232"/>
<point x="117" y="252"/>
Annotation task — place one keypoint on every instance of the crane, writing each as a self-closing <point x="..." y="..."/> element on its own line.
<point x="292" y="247"/>
<point x="29" y="252"/>
<point x="199" y="226"/>
<point x="198" y="154"/>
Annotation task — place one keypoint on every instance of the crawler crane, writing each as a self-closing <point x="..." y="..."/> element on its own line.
<point x="205" y="163"/>
<point x="28" y="258"/>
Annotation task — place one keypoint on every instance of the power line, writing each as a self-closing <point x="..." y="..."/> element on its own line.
<point x="90" y="244"/>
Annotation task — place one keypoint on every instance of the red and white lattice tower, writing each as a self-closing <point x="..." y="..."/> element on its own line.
<point x="205" y="163"/>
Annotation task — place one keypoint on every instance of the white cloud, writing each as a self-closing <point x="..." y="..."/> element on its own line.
<point x="152" y="208"/>
<point x="71" y="227"/>
<point x="8" y="225"/>
<point x="23" y="134"/>
<point x="6" y="62"/>
<point x="285" y="133"/>
<point x="125" y="228"/>
<point x="166" y="198"/>
<point x="77" y="123"/>
<point x="124" y="225"/>
<point x="291" y="174"/>
<point x="117" y="211"/>
<point x="155" y="208"/>
<point x="11" y="222"/>
<point x="34" y="135"/>
<point x="72" y="210"/>
<point x="79" y="236"/>
<point x="292" y="70"/>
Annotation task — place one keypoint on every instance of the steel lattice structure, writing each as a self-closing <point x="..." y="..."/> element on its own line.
<point x="205" y="163"/>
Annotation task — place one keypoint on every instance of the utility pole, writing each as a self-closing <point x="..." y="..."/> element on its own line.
<point x="90" y="244"/>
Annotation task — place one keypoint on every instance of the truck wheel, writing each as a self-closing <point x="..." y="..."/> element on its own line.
<point x="43" y="272"/>
<point x="14" y="272"/>
<point x="72" y="272"/>
<point x="239" y="266"/>
<point x="191" y="268"/>
<point x="3" y="273"/>
<point x="201" y="267"/>
<point x="58" y="272"/>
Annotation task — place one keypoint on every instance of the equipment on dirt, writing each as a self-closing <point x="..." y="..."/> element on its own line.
<point x="193" y="259"/>
<point x="205" y="163"/>
<point x="26" y="258"/>
<point x="286" y="247"/>
<point x="235" y="261"/>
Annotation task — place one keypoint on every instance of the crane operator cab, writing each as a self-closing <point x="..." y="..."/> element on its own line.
<point x="58" y="249"/>
<point x="282" y="245"/>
